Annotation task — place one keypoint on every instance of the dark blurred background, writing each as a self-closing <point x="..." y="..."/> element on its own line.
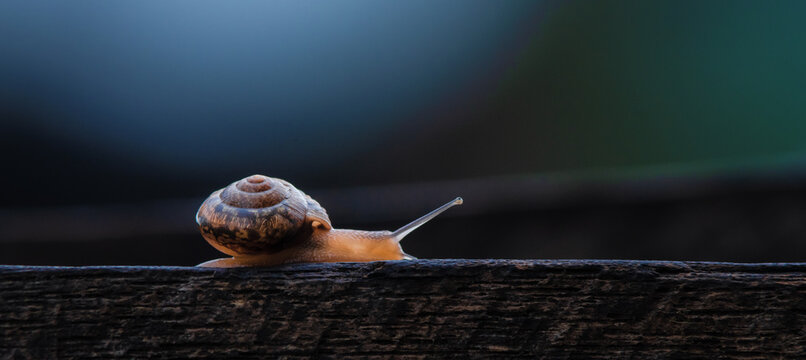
<point x="573" y="129"/>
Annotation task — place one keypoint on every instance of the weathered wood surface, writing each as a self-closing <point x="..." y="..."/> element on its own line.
<point x="422" y="309"/>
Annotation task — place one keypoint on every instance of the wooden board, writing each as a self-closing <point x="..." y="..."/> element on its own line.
<point x="423" y="309"/>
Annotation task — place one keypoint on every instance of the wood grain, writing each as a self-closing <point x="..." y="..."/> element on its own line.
<point x="571" y="309"/>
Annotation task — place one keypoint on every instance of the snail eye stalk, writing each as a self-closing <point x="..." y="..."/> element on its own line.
<point x="399" y="234"/>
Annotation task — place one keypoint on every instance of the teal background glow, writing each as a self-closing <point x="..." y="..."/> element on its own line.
<point x="172" y="98"/>
<point x="573" y="129"/>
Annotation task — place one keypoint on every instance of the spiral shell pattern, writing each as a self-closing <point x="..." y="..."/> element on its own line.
<point x="257" y="214"/>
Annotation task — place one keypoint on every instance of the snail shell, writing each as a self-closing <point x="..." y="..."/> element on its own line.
<point x="257" y="214"/>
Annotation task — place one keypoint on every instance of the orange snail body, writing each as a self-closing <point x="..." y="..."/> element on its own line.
<point x="264" y="221"/>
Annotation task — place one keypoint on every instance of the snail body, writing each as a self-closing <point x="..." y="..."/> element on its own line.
<point x="264" y="221"/>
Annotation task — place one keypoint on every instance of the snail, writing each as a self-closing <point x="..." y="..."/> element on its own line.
<point x="264" y="221"/>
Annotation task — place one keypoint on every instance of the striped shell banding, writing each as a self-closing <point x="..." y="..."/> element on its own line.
<point x="257" y="214"/>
